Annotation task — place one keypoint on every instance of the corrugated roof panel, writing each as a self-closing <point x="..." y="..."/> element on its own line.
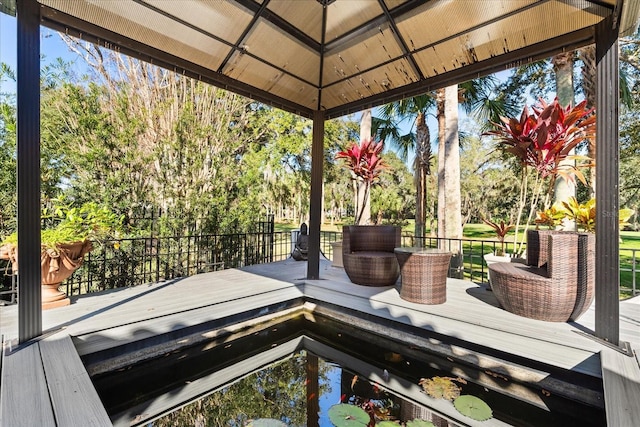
<point x="376" y="46"/>
<point x="258" y="74"/>
<point x="283" y="51"/>
<point x="390" y="76"/>
<point x="436" y="20"/>
<point x="306" y="15"/>
<point x="392" y="4"/>
<point x="514" y="32"/>
<point x="344" y="16"/>
<point x="223" y="19"/>
<point x="139" y="23"/>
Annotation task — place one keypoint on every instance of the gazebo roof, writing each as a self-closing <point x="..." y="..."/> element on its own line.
<point x="338" y="56"/>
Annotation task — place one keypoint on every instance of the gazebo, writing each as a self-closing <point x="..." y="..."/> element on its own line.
<point x="323" y="59"/>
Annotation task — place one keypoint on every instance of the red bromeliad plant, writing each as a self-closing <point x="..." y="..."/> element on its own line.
<point x="366" y="164"/>
<point x="542" y="140"/>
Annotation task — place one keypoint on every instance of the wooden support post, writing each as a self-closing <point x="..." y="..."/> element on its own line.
<point x="315" y="205"/>
<point x="607" y="206"/>
<point x="28" y="156"/>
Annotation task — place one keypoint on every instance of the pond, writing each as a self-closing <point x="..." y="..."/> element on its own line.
<point x="303" y="373"/>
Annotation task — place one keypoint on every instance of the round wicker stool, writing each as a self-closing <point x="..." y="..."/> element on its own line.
<point x="424" y="274"/>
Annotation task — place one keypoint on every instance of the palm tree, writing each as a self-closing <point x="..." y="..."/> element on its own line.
<point x="482" y="97"/>
<point x="418" y="139"/>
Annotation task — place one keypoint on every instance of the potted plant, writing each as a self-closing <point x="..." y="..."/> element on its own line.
<point x="365" y="164"/>
<point x="501" y="229"/>
<point x="552" y="218"/>
<point x="64" y="244"/>
<point x="584" y="214"/>
<point x="542" y="139"/>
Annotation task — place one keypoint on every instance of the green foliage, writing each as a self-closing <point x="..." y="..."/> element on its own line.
<point x="584" y="214"/>
<point x="8" y="196"/>
<point x="551" y="218"/>
<point x="393" y="201"/>
<point x="419" y="423"/>
<point x="344" y="415"/>
<point x="73" y="224"/>
<point x="473" y="407"/>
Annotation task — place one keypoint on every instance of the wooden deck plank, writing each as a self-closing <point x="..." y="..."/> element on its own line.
<point x="75" y="400"/>
<point x="555" y="352"/>
<point x="470" y="314"/>
<point x="100" y="336"/>
<point x="24" y="397"/>
<point x="621" y="379"/>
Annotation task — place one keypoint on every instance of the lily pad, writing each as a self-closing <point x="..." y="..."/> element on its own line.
<point x="440" y="388"/>
<point x="473" y="407"/>
<point x="387" y="424"/>
<point x="343" y="415"/>
<point x="266" y="422"/>
<point x="420" y="423"/>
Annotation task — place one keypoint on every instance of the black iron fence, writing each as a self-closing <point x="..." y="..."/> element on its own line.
<point x="130" y="262"/>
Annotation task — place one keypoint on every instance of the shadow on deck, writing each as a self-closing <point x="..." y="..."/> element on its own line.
<point x="114" y="328"/>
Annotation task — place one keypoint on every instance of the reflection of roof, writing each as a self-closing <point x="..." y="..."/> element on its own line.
<point x="343" y="57"/>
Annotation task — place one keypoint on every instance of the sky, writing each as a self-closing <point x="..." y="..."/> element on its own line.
<point x="51" y="47"/>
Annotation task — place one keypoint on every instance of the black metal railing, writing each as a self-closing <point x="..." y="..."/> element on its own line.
<point x="130" y="262"/>
<point x="135" y="261"/>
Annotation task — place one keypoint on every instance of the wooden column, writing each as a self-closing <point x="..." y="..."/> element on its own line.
<point x="315" y="205"/>
<point x="607" y="291"/>
<point x="28" y="159"/>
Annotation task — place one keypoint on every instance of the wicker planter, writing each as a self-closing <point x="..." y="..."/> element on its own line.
<point x="56" y="266"/>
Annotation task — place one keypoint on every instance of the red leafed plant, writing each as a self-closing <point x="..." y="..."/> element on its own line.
<point x="365" y="162"/>
<point x="542" y="139"/>
<point x="501" y="229"/>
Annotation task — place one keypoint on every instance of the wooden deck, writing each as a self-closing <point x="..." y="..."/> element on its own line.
<point x="136" y="322"/>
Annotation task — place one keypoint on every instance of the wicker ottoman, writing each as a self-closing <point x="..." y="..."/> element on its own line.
<point x="371" y="268"/>
<point x="424" y="274"/>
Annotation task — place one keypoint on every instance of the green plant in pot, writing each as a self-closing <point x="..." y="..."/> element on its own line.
<point x="365" y="164"/>
<point x="501" y="229"/>
<point x="64" y="244"/>
<point x="584" y="214"/>
<point x="551" y="218"/>
<point x="541" y="140"/>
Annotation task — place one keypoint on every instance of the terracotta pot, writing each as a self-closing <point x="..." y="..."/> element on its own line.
<point x="56" y="266"/>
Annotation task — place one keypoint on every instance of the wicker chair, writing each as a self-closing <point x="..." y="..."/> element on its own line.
<point x="367" y="254"/>
<point x="557" y="282"/>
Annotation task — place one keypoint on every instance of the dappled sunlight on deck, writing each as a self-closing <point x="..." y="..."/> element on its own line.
<point x="116" y="327"/>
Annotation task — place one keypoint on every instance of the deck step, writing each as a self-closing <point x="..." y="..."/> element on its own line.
<point x="37" y="387"/>
<point x="621" y="380"/>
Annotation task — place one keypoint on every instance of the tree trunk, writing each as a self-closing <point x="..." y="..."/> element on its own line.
<point x="563" y="68"/>
<point x="449" y="200"/>
<point x="588" y="56"/>
<point x="363" y="195"/>
<point x="440" y="97"/>
<point x="422" y="170"/>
